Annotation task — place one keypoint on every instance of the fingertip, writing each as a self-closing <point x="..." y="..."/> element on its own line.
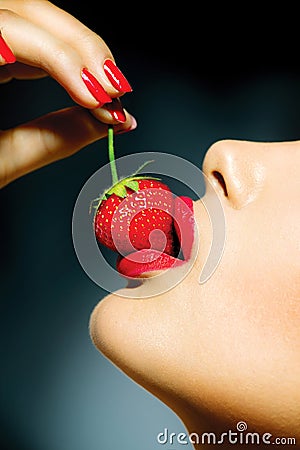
<point x="110" y="113"/>
<point x="129" y="125"/>
<point x="105" y="116"/>
<point x="116" y="76"/>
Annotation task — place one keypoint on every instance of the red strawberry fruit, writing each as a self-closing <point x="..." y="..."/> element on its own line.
<point x="140" y="217"/>
<point x="135" y="213"/>
<point x="146" y="261"/>
<point x="135" y="218"/>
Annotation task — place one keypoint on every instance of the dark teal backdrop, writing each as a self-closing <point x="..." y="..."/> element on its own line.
<point x="57" y="391"/>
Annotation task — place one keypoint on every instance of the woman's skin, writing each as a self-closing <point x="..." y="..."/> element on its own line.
<point x="217" y="353"/>
<point x="47" y="41"/>
<point x="227" y="350"/>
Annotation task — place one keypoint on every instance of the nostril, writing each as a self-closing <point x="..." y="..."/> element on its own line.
<point x="219" y="177"/>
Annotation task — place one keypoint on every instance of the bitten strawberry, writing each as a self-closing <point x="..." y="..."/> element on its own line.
<point x="135" y="213"/>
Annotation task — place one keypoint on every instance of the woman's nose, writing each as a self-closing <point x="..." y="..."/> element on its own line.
<point x="236" y="170"/>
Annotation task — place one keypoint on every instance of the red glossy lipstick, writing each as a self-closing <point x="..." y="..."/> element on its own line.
<point x="150" y="260"/>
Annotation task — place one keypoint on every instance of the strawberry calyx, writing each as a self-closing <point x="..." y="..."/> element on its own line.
<point x="131" y="182"/>
<point x="120" y="188"/>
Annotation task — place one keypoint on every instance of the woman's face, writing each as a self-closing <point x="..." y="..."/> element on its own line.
<point x="229" y="349"/>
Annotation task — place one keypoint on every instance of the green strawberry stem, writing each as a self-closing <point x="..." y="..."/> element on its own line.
<point x="111" y="155"/>
<point x="119" y="187"/>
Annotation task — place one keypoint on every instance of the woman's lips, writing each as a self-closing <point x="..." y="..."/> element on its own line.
<point x="145" y="261"/>
<point x="140" y="263"/>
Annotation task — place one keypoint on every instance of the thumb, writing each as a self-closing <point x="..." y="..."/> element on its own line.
<point x="49" y="138"/>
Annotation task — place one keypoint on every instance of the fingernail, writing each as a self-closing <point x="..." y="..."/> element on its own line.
<point x="116" y="77"/>
<point x="95" y="87"/>
<point x="132" y="126"/>
<point x="6" y="52"/>
<point x="116" y="110"/>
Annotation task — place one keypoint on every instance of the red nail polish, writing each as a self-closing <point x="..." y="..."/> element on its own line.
<point x="6" y="52"/>
<point x="116" y="77"/>
<point x="116" y="110"/>
<point x="131" y="127"/>
<point x="95" y="87"/>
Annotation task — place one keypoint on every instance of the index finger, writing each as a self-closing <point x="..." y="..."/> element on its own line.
<point x="36" y="47"/>
<point x="91" y="47"/>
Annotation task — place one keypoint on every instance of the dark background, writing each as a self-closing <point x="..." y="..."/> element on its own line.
<point x="196" y="79"/>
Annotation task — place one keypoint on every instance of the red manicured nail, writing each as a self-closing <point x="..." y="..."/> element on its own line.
<point x="131" y="127"/>
<point x="95" y="87"/>
<point x="116" y="110"/>
<point x="6" y="52"/>
<point x="116" y="77"/>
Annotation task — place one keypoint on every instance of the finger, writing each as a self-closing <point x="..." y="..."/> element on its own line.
<point x="112" y="113"/>
<point x="6" y="54"/>
<point x="36" y="47"/>
<point x="90" y="46"/>
<point x="49" y="138"/>
<point x="20" y="71"/>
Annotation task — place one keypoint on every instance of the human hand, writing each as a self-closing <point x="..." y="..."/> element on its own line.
<point x="38" y="39"/>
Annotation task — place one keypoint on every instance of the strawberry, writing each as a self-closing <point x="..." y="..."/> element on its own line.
<point x="130" y="223"/>
<point x="136" y="213"/>
<point x="145" y="260"/>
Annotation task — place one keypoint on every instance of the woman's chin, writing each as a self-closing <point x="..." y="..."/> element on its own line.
<point x="136" y="331"/>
